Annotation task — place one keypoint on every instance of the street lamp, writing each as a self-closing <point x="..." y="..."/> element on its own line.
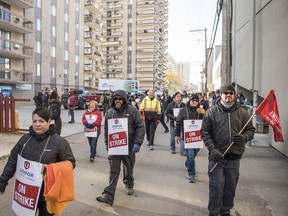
<point x="204" y="90"/>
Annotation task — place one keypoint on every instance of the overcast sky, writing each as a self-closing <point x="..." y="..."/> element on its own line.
<point x="185" y="46"/>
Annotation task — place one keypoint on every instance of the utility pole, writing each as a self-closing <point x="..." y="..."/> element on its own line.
<point x="204" y="88"/>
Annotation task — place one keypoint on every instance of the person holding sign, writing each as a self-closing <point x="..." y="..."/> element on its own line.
<point x="172" y="112"/>
<point x="188" y="114"/>
<point x="42" y="145"/>
<point x="124" y="134"/>
<point x="92" y="119"/>
<point x="221" y="127"/>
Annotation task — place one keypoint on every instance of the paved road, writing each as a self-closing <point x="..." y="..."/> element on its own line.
<point x="161" y="185"/>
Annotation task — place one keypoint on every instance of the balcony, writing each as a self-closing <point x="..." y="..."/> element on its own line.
<point x="112" y="25"/>
<point x="146" y="79"/>
<point x="13" y="76"/>
<point x="145" y="69"/>
<point x="147" y="41"/>
<point x="146" y="13"/>
<point x="145" y="50"/>
<point x="147" y="31"/>
<point x="113" y="61"/>
<point x="92" y="37"/>
<point x="11" y="21"/>
<point x="146" y="22"/>
<point x="15" y="50"/>
<point x="112" y="52"/>
<point x="112" y="43"/>
<point x="24" y="4"/>
<point x="112" y="34"/>
<point x="93" y="6"/>
<point x="112" y="6"/>
<point x="92" y="22"/>
<point x="91" y="52"/>
<point x="145" y="3"/>
<point x="110" y="16"/>
<point x="112" y="70"/>
<point x="145" y="60"/>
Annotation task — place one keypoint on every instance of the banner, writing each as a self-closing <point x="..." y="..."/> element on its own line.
<point x="192" y="135"/>
<point x="268" y="110"/>
<point x="118" y="136"/>
<point x="90" y="132"/>
<point x="27" y="187"/>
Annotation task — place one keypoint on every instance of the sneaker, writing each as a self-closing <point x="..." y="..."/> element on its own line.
<point x="129" y="191"/>
<point x="166" y="131"/>
<point x="173" y="151"/>
<point x="183" y="153"/>
<point x="151" y="147"/>
<point x="104" y="199"/>
<point x="191" y="179"/>
<point x="91" y="159"/>
<point x="70" y="122"/>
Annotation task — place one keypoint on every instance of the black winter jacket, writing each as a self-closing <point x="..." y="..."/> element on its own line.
<point x="169" y="111"/>
<point x="57" y="149"/>
<point x="186" y="113"/>
<point x="220" y="124"/>
<point x="136" y="128"/>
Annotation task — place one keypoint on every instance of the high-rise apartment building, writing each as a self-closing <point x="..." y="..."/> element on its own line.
<point x="16" y="25"/>
<point x="135" y="41"/>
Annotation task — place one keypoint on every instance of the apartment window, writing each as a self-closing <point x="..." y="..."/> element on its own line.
<point x="129" y="48"/>
<point x="77" y="24"/>
<point x="77" y="42"/>
<point x="38" y="3"/>
<point x="53" y="29"/>
<point x="66" y="1"/>
<point x="66" y="17"/>
<point x="66" y="56"/>
<point x="66" y="36"/>
<point x="53" y="72"/>
<point x="65" y="73"/>
<point x="77" y="6"/>
<point x="77" y="59"/>
<point x="3" y="14"/>
<point x="53" y="51"/>
<point x="53" y="10"/>
<point x="38" y="47"/>
<point x="38" y="24"/>
<point x="38" y="69"/>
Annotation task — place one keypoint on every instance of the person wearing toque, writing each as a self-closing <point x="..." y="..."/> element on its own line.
<point x="221" y="126"/>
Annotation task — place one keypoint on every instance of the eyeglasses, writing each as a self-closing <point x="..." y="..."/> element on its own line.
<point x="226" y="93"/>
<point x="118" y="98"/>
<point x="194" y="100"/>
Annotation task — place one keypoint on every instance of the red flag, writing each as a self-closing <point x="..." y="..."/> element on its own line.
<point x="268" y="110"/>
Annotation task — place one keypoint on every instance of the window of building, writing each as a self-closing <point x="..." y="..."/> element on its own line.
<point x="77" y="42"/>
<point x="53" y="72"/>
<point x="66" y="36"/>
<point x="38" y="69"/>
<point x="66" y="17"/>
<point x="38" y="24"/>
<point x="77" y="59"/>
<point x="38" y="47"/>
<point x="38" y="3"/>
<point x="53" y="51"/>
<point x="53" y="10"/>
<point x="53" y="31"/>
<point x="66" y="55"/>
<point x="65" y="73"/>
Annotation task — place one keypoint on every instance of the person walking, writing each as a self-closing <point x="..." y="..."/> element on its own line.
<point x="71" y="105"/>
<point x="55" y="113"/>
<point x="172" y="112"/>
<point x="191" y="111"/>
<point x="40" y="146"/>
<point x="151" y="113"/>
<point x="121" y="109"/>
<point x="162" y="121"/>
<point x="224" y="124"/>
<point x="38" y="99"/>
<point x="92" y="119"/>
<point x="45" y="97"/>
<point x="105" y="100"/>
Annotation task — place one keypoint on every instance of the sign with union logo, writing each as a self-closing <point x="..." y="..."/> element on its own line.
<point x="27" y="187"/>
<point x="118" y="136"/>
<point x="192" y="135"/>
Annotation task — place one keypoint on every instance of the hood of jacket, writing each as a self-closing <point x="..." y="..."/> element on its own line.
<point x="119" y="93"/>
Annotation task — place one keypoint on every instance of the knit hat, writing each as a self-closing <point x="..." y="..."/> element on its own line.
<point x="194" y="96"/>
<point x="227" y="87"/>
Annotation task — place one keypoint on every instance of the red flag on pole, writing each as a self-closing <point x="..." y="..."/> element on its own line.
<point x="268" y="110"/>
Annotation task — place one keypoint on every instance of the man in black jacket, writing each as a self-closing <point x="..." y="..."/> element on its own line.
<point x="222" y="125"/>
<point x="120" y="108"/>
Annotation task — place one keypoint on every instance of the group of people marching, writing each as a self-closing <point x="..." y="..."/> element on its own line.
<point x="223" y="126"/>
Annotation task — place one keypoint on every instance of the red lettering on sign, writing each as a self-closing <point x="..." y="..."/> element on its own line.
<point x="117" y="139"/>
<point x="193" y="136"/>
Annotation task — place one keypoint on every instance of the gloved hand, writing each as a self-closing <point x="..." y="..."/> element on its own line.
<point x="216" y="155"/>
<point x="239" y="139"/>
<point x="157" y="122"/>
<point x="177" y="139"/>
<point x="200" y="111"/>
<point x="86" y="124"/>
<point x="136" y="148"/>
<point x="91" y="125"/>
<point x="106" y="146"/>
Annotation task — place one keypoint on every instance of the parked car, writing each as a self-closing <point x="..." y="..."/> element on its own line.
<point x="82" y="98"/>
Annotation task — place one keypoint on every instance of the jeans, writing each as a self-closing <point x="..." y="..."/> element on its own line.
<point x="172" y="140"/>
<point x="190" y="160"/>
<point x="72" y="114"/>
<point x="128" y="162"/>
<point x="93" y="145"/>
<point x="222" y="186"/>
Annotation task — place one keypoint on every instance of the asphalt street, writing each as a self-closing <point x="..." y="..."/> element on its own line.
<point x="161" y="184"/>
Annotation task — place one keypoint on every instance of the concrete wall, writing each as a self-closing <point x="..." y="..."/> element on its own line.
<point x="260" y="53"/>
